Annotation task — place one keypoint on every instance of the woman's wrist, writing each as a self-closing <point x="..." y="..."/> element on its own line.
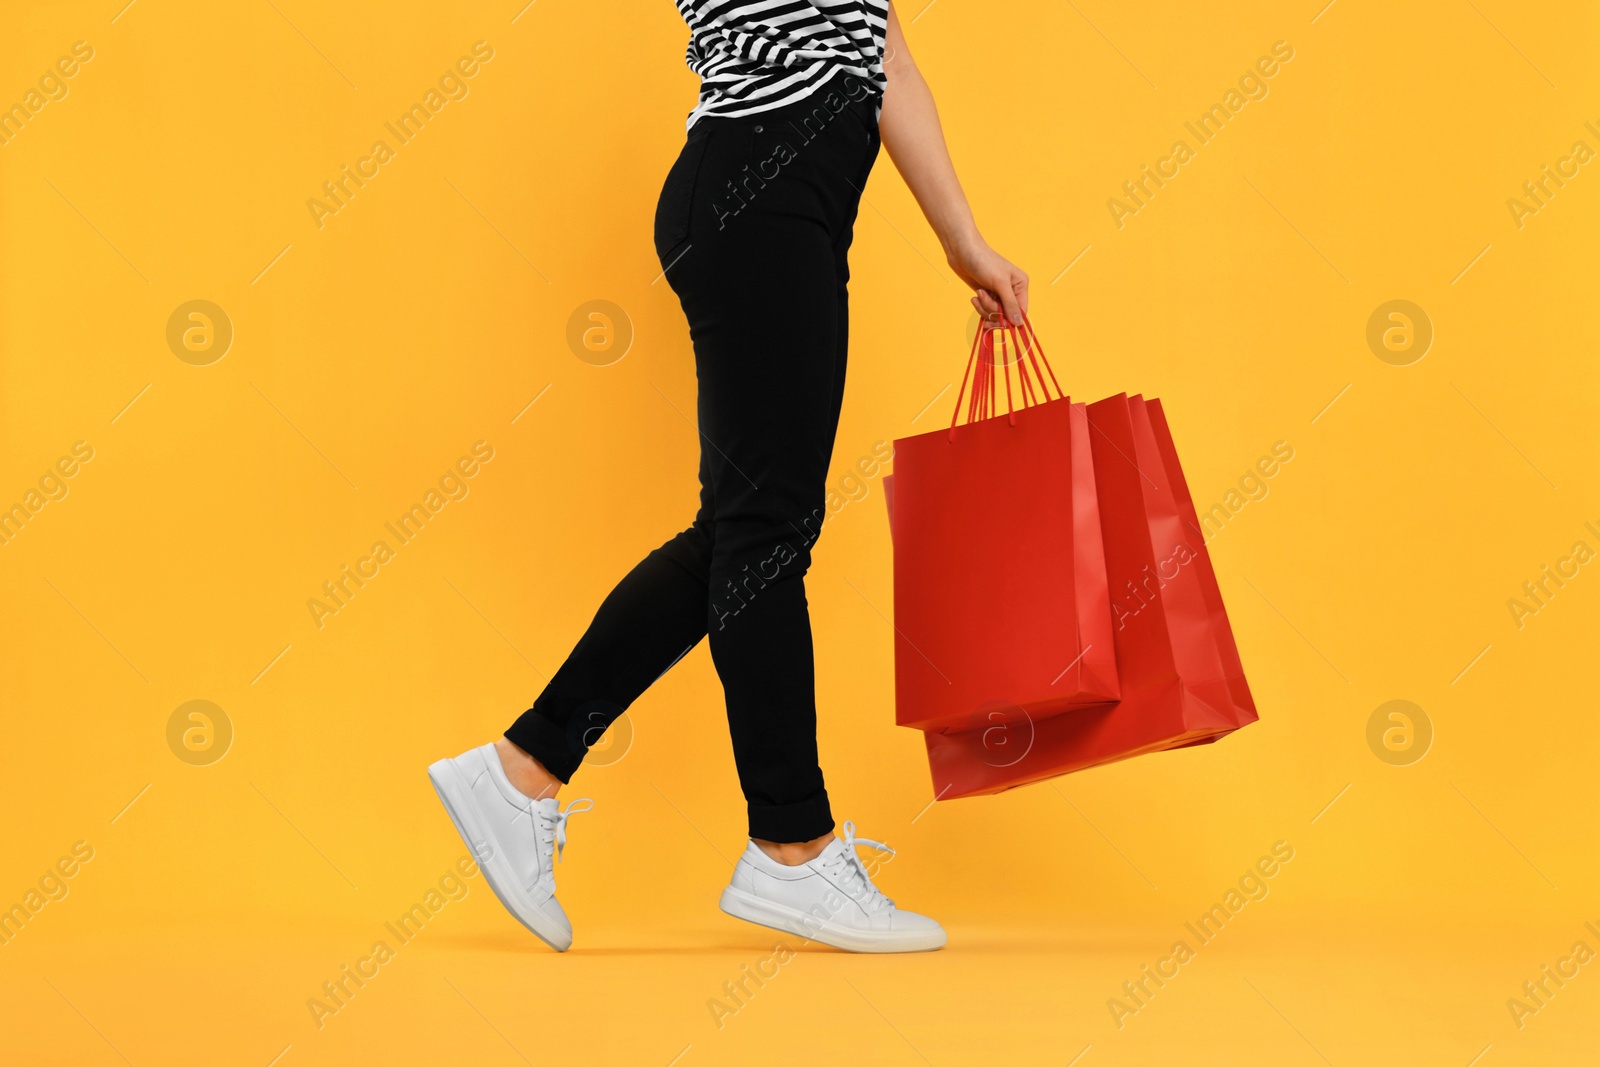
<point x="961" y="244"/>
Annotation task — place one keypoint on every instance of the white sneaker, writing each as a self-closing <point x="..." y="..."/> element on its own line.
<point x="511" y="836"/>
<point x="829" y="899"/>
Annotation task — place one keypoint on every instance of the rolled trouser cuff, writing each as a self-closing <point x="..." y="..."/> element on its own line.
<point x="792" y="823"/>
<point x="547" y="743"/>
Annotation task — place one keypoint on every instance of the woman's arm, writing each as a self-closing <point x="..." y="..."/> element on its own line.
<point x="911" y="132"/>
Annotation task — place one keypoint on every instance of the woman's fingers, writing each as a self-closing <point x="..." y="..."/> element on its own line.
<point x="986" y="304"/>
<point x="1007" y="289"/>
<point x="1000" y="288"/>
<point x="1010" y="302"/>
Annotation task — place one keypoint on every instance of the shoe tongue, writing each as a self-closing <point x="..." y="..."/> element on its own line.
<point x="834" y="849"/>
<point x="860" y="887"/>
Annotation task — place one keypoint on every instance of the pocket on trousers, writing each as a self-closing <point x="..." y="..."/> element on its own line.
<point x="867" y="126"/>
<point x="677" y="196"/>
<point x="873" y="144"/>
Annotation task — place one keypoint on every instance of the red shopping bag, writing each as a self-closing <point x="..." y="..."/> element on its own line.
<point x="999" y="574"/>
<point x="1181" y="679"/>
<point x="1240" y="702"/>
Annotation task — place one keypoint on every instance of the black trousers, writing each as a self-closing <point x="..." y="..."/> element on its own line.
<point x="752" y="229"/>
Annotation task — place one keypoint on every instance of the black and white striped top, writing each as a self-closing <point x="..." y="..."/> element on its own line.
<point x="756" y="55"/>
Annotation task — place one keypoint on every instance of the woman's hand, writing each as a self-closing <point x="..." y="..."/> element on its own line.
<point x="1001" y="286"/>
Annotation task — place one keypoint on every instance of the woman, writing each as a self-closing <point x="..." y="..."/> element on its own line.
<point x="752" y="231"/>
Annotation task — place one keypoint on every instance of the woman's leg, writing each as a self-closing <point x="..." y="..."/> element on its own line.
<point x="766" y="349"/>
<point x="771" y="374"/>
<point x="753" y="230"/>
<point x="646" y="624"/>
<point x="764" y="288"/>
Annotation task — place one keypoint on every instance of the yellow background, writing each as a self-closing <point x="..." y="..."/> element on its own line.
<point x="430" y="311"/>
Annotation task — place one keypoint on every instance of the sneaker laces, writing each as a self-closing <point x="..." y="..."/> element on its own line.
<point x="854" y="872"/>
<point x="556" y="821"/>
<point x="551" y="826"/>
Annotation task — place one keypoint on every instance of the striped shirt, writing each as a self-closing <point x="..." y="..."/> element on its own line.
<point x="757" y="55"/>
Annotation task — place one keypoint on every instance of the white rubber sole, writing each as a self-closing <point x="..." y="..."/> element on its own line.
<point x="750" y="908"/>
<point x="456" y="795"/>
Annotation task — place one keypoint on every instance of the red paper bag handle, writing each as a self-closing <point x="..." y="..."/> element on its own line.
<point x="982" y="401"/>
